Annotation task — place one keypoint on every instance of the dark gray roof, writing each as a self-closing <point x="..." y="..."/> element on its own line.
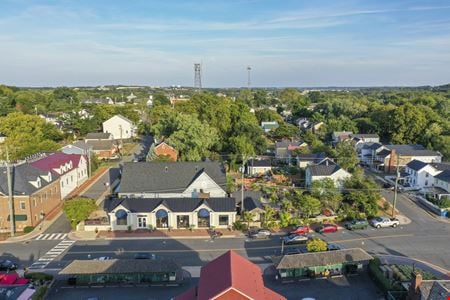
<point x="441" y="166"/>
<point x="384" y="153"/>
<point x="120" y="266"/>
<point x="416" y="165"/>
<point x="167" y="176"/>
<point x="315" y="157"/>
<point x="304" y="260"/>
<point x="98" y="136"/>
<point x="444" y="176"/>
<point x="323" y="170"/>
<point x="412" y="150"/>
<point x="375" y="146"/>
<point x="251" y="199"/>
<point x="286" y="143"/>
<point x="173" y="204"/>
<point x="434" y="289"/>
<point x="101" y="144"/>
<point x="82" y="145"/>
<point x="260" y="163"/>
<point x="22" y="174"/>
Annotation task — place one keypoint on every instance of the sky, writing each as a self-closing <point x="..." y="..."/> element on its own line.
<point x="286" y="43"/>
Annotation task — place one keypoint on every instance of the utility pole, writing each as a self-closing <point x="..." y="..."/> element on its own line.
<point x="397" y="177"/>
<point x="242" y="187"/>
<point x="10" y="195"/>
<point x="248" y="77"/>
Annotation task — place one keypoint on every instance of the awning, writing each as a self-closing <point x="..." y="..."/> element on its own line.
<point x="161" y="214"/>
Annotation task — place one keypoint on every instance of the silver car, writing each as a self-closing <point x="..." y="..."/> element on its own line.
<point x="380" y="222"/>
<point x="295" y="239"/>
<point x="260" y="234"/>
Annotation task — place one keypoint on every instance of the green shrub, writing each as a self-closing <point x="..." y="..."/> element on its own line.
<point x="238" y="225"/>
<point x="28" y="229"/>
<point x="39" y="276"/>
<point x="383" y="282"/>
<point x="78" y="210"/>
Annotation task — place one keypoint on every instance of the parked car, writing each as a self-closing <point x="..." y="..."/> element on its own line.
<point x="295" y="239"/>
<point x="303" y="229"/>
<point x="260" y="234"/>
<point x="380" y="222"/>
<point x="7" y="265"/>
<point x="333" y="247"/>
<point x="103" y="258"/>
<point x="143" y="255"/>
<point x="327" y="228"/>
<point x="356" y="224"/>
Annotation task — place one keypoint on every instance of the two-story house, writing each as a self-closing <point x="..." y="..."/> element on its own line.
<point x="72" y="169"/>
<point x="172" y="195"/>
<point x="421" y="175"/>
<point x="325" y="169"/>
<point x="120" y="127"/>
<point x="36" y="193"/>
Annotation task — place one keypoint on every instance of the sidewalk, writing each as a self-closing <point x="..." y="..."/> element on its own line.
<point x="155" y="234"/>
<point x="89" y="182"/>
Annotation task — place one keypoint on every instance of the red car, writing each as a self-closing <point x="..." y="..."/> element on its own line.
<point x="300" y="230"/>
<point x="327" y="228"/>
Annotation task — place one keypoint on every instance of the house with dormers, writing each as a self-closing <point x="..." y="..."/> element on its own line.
<point x="36" y="193"/>
<point x="167" y="195"/>
<point x="421" y="175"/>
<point x="72" y="169"/>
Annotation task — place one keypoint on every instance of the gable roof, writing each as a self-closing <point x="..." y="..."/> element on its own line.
<point x="55" y="161"/>
<point x="22" y="175"/>
<point x="139" y="205"/>
<point x="416" y="165"/>
<point x="323" y="170"/>
<point x="121" y="117"/>
<point x="162" y="144"/>
<point x="287" y="143"/>
<point x="98" y="136"/>
<point x="303" y="260"/>
<point x="260" y="163"/>
<point x="231" y="270"/>
<point x="444" y="176"/>
<point x="98" y="145"/>
<point x="384" y="153"/>
<point x="375" y="146"/>
<point x="251" y="199"/>
<point x="81" y="145"/>
<point x="164" y="177"/>
<point x="365" y="135"/>
<point x="440" y="166"/>
<point x="412" y="150"/>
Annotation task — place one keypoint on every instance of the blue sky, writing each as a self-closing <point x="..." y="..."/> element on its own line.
<point x="287" y="43"/>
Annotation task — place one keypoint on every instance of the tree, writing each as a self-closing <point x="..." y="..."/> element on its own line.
<point x="409" y="122"/>
<point x="325" y="190"/>
<point x="285" y="218"/>
<point x="285" y="130"/>
<point x="267" y="115"/>
<point x="248" y="217"/>
<point x="268" y="217"/>
<point x="77" y="210"/>
<point x="346" y="156"/>
<point x="316" y="245"/>
<point x="309" y="206"/>
<point x="160" y="99"/>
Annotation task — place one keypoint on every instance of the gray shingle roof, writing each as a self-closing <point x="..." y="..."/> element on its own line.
<point x="412" y="149"/>
<point x="22" y="175"/>
<point x="120" y="266"/>
<point x="82" y="145"/>
<point x="365" y="135"/>
<point x="441" y="166"/>
<point x="98" y="135"/>
<point x="286" y="143"/>
<point x="167" y="176"/>
<point x="444" y="176"/>
<point x="260" y="163"/>
<point x="323" y="170"/>
<point x="375" y="146"/>
<point x="173" y="204"/>
<point x="314" y="157"/>
<point x="416" y="165"/>
<point x="384" y="153"/>
<point x="304" y="260"/>
<point x="251" y="199"/>
<point x="101" y="145"/>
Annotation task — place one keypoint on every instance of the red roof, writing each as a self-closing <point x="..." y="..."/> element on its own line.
<point x="230" y="274"/>
<point x="56" y="160"/>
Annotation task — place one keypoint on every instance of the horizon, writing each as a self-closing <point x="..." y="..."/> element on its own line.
<point x="350" y="44"/>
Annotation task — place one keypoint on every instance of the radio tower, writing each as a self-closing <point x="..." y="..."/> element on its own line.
<point x="198" y="77"/>
<point x="248" y="76"/>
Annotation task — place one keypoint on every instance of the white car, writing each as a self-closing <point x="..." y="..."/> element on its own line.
<point x="380" y="222"/>
<point x="103" y="258"/>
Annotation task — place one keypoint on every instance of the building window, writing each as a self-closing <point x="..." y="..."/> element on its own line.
<point x="426" y="174"/>
<point x="203" y="218"/>
<point x="71" y="178"/>
<point x="22" y="204"/>
<point x="62" y="184"/>
<point x="183" y="221"/>
<point x="35" y="202"/>
<point x="224" y="220"/>
<point x="121" y="216"/>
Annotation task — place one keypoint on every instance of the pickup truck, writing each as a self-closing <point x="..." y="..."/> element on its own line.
<point x="379" y="222"/>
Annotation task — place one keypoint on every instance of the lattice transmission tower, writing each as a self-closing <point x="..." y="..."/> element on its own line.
<point x="198" y="76"/>
<point x="248" y="77"/>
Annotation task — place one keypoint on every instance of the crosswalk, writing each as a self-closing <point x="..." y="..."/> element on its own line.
<point x="51" y="236"/>
<point x="53" y="253"/>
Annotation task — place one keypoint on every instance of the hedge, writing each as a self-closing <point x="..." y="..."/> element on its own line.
<point x="380" y="279"/>
<point x="38" y="276"/>
<point x="28" y="229"/>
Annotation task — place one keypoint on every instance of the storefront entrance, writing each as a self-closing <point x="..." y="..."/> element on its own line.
<point x="203" y="218"/>
<point x="162" y="219"/>
<point x="142" y="221"/>
<point x="183" y="221"/>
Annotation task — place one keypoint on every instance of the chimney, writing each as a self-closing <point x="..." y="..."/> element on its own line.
<point x="414" y="288"/>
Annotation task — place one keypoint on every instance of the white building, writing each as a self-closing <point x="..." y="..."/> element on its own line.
<point x="120" y="127"/>
<point x="71" y="168"/>
<point x="173" y="180"/>
<point x="326" y="169"/>
<point x="258" y="167"/>
<point x="421" y="175"/>
<point x="168" y="213"/>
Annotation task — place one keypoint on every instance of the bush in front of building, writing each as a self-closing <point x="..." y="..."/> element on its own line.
<point x="78" y="210"/>
<point x="28" y="229"/>
<point x="316" y="245"/>
<point x="380" y="279"/>
<point x="38" y="276"/>
<point x="40" y="293"/>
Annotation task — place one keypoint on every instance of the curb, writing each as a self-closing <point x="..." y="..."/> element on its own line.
<point x="153" y="238"/>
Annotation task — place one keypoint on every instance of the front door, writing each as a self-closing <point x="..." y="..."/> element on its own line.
<point x="142" y="222"/>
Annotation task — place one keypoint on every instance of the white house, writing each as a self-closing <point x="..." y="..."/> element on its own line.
<point x="71" y="168"/>
<point x="269" y="126"/>
<point x="258" y="167"/>
<point x="119" y="127"/>
<point x="421" y="174"/>
<point x="168" y="213"/>
<point x="442" y="180"/>
<point x="326" y="169"/>
<point x="173" y="180"/>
